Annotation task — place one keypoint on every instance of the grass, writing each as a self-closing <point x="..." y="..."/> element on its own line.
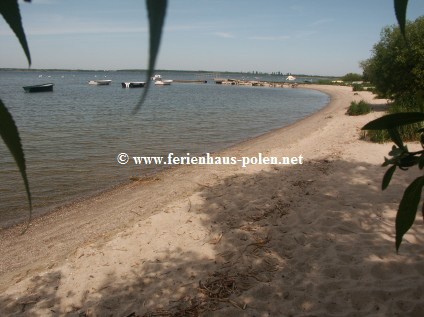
<point x="407" y="132"/>
<point x="358" y="108"/>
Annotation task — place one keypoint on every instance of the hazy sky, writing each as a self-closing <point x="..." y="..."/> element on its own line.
<point x="323" y="37"/>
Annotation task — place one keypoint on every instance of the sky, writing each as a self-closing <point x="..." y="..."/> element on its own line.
<point x="325" y="37"/>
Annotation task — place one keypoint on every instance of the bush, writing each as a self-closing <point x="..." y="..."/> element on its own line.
<point x="358" y="87"/>
<point x="358" y="108"/>
<point x="352" y="77"/>
<point x="407" y="132"/>
<point x="325" y="82"/>
<point x="396" y="68"/>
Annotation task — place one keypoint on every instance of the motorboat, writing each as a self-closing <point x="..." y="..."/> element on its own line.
<point x="133" y="84"/>
<point x="100" y="82"/>
<point x="163" y="82"/>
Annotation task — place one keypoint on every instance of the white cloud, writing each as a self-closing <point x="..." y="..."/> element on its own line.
<point x="224" y="35"/>
<point x="270" y="38"/>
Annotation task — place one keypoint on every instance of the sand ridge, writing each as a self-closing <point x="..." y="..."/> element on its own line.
<point x="304" y="240"/>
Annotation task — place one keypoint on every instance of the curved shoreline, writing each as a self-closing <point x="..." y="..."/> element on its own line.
<point x="100" y="217"/>
<point x="97" y="193"/>
<point x="75" y="214"/>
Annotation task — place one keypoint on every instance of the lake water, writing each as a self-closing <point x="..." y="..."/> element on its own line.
<point x="71" y="136"/>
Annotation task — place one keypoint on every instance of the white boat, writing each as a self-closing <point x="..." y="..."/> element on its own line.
<point x="291" y="78"/>
<point x="157" y="77"/>
<point x="133" y="84"/>
<point x="100" y="82"/>
<point x="163" y="82"/>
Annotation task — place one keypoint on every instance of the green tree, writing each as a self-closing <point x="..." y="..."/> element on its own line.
<point x="352" y="77"/>
<point x="396" y="67"/>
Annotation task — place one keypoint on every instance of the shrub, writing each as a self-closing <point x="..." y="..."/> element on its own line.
<point x="358" y="108"/>
<point x="325" y="82"/>
<point x="352" y="77"/>
<point x="407" y="132"/>
<point x="396" y="68"/>
<point x="357" y="87"/>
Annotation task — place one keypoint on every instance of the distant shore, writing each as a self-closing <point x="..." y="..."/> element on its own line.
<point x="159" y="71"/>
<point x="315" y="238"/>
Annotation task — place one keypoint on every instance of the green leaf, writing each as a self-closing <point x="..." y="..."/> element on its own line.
<point x="393" y="120"/>
<point x="156" y="10"/>
<point x="394" y="135"/>
<point x="408" y="161"/>
<point x="421" y="162"/>
<point x="396" y="151"/>
<point x="400" y="10"/>
<point x="387" y="177"/>
<point x="408" y="209"/>
<point x="9" y="9"/>
<point x="10" y="135"/>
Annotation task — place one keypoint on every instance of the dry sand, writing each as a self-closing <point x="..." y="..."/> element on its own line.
<point x="315" y="239"/>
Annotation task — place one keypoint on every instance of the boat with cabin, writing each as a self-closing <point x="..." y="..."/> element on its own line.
<point x="161" y="82"/>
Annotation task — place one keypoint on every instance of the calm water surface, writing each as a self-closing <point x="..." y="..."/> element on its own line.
<point x="71" y="136"/>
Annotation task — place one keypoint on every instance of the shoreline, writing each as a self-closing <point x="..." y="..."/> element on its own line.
<point x="99" y="193"/>
<point x="315" y="239"/>
<point x="65" y="211"/>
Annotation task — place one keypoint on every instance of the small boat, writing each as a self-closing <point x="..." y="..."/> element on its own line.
<point x="100" y="82"/>
<point x="133" y="84"/>
<point x="156" y="77"/>
<point x="163" y="82"/>
<point x="291" y="78"/>
<point x="39" y="88"/>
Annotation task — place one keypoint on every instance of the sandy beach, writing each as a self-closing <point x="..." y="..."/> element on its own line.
<point x="311" y="239"/>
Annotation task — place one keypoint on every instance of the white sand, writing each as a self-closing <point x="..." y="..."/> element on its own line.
<point x="304" y="240"/>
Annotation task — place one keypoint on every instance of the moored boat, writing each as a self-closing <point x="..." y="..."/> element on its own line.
<point x="100" y="82"/>
<point x="163" y="82"/>
<point x="39" y="88"/>
<point x="133" y="84"/>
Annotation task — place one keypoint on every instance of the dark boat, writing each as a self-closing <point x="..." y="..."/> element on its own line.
<point x="39" y="88"/>
<point x="133" y="84"/>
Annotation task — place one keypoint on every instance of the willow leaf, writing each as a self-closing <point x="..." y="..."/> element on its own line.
<point x="408" y="209"/>
<point x="10" y="135"/>
<point x="400" y="10"/>
<point x="9" y="9"/>
<point x="395" y="136"/>
<point x="387" y="177"/>
<point x="156" y="11"/>
<point x="393" y="120"/>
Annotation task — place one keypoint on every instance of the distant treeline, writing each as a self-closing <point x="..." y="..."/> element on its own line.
<point x="158" y="71"/>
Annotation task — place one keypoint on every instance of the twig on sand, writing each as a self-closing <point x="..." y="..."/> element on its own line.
<point x="189" y="204"/>
<point x="216" y="240"/>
